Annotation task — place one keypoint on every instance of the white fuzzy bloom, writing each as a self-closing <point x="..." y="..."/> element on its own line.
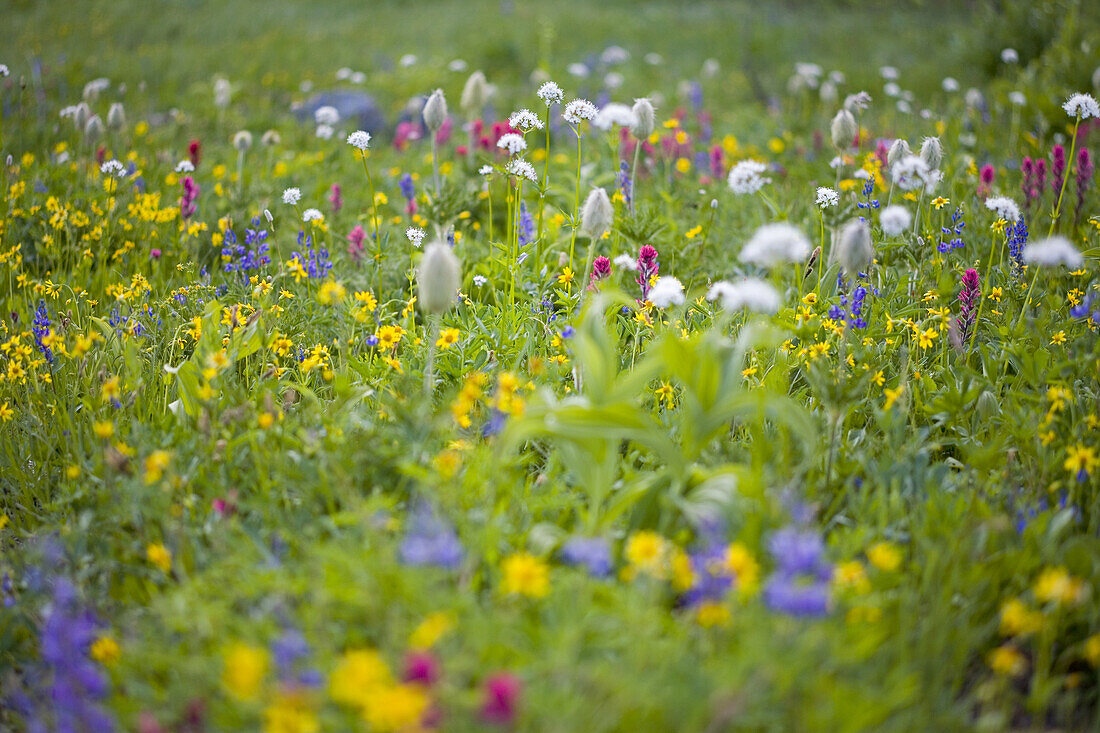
<point x="525" y="120"/>
<point x="773" y="244"/>
<point x="1009" y="56"/>
<point x="1018" y="98"/>
<point x="1004" y="207"/>
<point x="904" y="107"/>
<point x="899" y="150"/>
<point x="843" y="130"/>
<point x="223" y="92"/>
<point x="116" y="116"/>
<point x="613" y="80"/>
<point x="343" y="73"/>
<point x="520" y="168"/>
<point x="644" y="118"/>
<point x="550" y="93"/>
<point x="578" y="70"/>
<point x="184" y="166"/>
<point x="292" y="196"/>
<point x="626" y="262"/>
<point x="94" y="88"/>
<point x="435" y="111"/>
<point x="242" y="140"/>
<point x="1082" y="106"/>
<point x="931" y="152"/>
<point x="666" y="291"/>
<point x="578" y="110"/>
<point x="480" y="280"/>
<point x="828" y="92"/>
<point x="325" y="132"/>
<point x="860" y="100"/>
<point x="457" y="66"/>
<point x="827" y="197"/>
<point x="270" y="138"/>
<point x="475" y="93"/>
<point x="653" y="58"/>
<point x="752" y="294"/>
<point x="513" y="143"/>
<point x="894" y="220"/>
<point x="614" y="114"/>
<point x="438" y="278"/>
<point x="910" y="173"/>
<point x="94" y="129"/>
<point x="613" y="55"/>
<point x="745" y="178"/>
<point x="415" y="235"/>
<point x="1056" y="250"/>
<point x="312" y="215"/>
<point x="854" y="249"/>
<point x="950" y="84"/>
<point x="112" y="168"/>
<point x="888" y="72"/>
<point x="836" y="162"/>
<point x="407" y="60"/>
<point x="974" y="98"/>
<point x="360" y="139"/>
<point x="358" y="77"/>
<point x="326" y="115"/>
<point x="597" y="214"/>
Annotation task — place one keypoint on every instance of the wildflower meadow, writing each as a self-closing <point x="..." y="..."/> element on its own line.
<point x="551" y="367"/>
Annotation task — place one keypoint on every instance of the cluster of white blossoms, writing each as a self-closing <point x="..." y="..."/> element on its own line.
<point x="1003" y="207"/>
<point x="525" y="120"/>
<point x="773" y="244"/>
<point x="520" y="168"/>
<point x="827" y="197"/>
<point x="578" y="111"/>
<point x="113" y="168"/>
<point x="1082" y="106"/>
<point x="513" y="143"/>
<point x="292" y="196"/>
<point x="312" y="215"/>
<point x="185" y="166"/>
<point x="415" y="235"/>
<point x="360" y="139"/>
<point x="746" y="178"/>
<point x="551" y="93"/>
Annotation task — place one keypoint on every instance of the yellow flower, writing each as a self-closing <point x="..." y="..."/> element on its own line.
<point x="1056" y="584"/>
<point x="1058" y="338"/>
<point x="331" y="293"/>
<point x="265" y="420"/>
<point x="447" y="338"/>
<point x="926" y="338"/>
<point x="566" y="276"/>
<point x="1092" y="650"/>
<point x="525" y="574"/>
<point x="664" y="394"/>
<point x="431" y="630"/>
<point x="358" y="672"/>
<point x="1007" y="660"/>
<point x="1019" y="620"/>
<point x="646" y="551"/>
<point x="683" y="577"/>
<point x="892" y="396"/>
<point x="6" y="413"/>
<point x="939" y="202"/>
<point x="711" y="614"/>
<point x="693" y="232"/>
<point x="290" y="713"/>
<point x="245" y="668"/>
<point x="155" y="465"/>
<point x="853" y="576"/>
<point x="1081" y="458"/>
<point x="885" y="556"/>
<point x="105" y="650"/>
<point x="745" y="569"/>
<point x="103" y="430"/>
<point x="395" y="708"/>
<point x="160" y="556"/>
<point x="995" y="294"/>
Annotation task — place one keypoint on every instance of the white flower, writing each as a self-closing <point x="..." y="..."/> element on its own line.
<point x="854" y="249"/>
<point x="415" y="235"/>
<point x="485" y="170"/>
<point x="894" y="220"/>
<point x="644" y="119"/>
<point x="359" y="139"/>
<point x="326" y="115"/>
<point x="745" y="177"/>
<point x="626" y="262"/>
<point x="521" y="169"/>
<point x="861" y="100"/>
<point x="827" y="197"/>
<point x="184" y="166"/>
<point x="325" y="132"/>
<point x="312" y="215"/>
<point x="525" y="120"/>
<point x="550" y="93"/>
<point x="457" y="66"/>
<point x="910" y="173"/>
<point x="808" y="71"/>
<point x="357" y="77"/>
<point x="4" y="70"/>
<point x="666" y="291"/>
<point x="578" y="110"/>
<point x="513" y="143"/>
<point x="888" y="72"/>
<point x="1003" y="207"/>
<point x="597" y="214"/>
<point x="614" y="114"/>
<point x="614" y="80"/>
<point x="1082" y="105"/>
<point x="223" y="92"/>
<point x="1009" y="56"/>
<point x="292" y="196"/>
<point x="1018" y="98"/>
<point x="578" y="70"/>
<point x="836" y="162"/>
<point x="113" y="168"/>
<point x="891" y="89"/>
<point x="343" y="73"/>
<point x="480" y="280"/>
<point x="407" y="60"/>
<point x="950" y="84"/>
<point x="751" y="294"/>
<point x="772" y="244"/>
<point x="1053" y="251"/>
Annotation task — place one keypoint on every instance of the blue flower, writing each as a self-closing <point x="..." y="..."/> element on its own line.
<point x="593" y="553"/>
<point x="430" y="540"/>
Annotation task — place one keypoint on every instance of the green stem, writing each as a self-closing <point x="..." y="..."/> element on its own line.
<point x="1065" y="180"/>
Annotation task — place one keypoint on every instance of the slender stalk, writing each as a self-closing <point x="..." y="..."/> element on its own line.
<point x="429" y="369"/>
<point x="435" y="165"/>
<point x="542" y="190"/>
<point x="577" y="201"/>
<point x="375" y="223"/>
<point x="634" y="175"/>
<point x="1065" y="180"/>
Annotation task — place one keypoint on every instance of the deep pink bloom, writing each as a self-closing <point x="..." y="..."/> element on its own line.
<point x="501" y="699"/>
<point x="335" y="198"/>
<point x="355" y="243"/>
<point x="717" y="161"/>
<point x="601" y="268"/>
<point x="985" y="180"/>
<point x="648" y="268"/>
<point x="421" y="668"/>
<point x="1057" y="168"/>
<point x="968" y="302"/>
<point x="154" y="253"/>
<point x="187" y="201"/>
<point x="1083" y="181"/>
<point x="444" y="132"/>
<point x="194" y="150"/>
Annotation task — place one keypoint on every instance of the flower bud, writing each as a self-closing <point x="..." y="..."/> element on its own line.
<point x="270" y="138"/>
<point x="242" y="140"/>
<point x="81" y="116"/>
<point x="854" y="250"/>
<point x="94" y="129"/>
<point x="644" y="119"/>
<point x="435" y="111"/>
<point x="931" y="152"/>
<point x="843" y="130"/>
<point x="116" y="116"/>
<point x="597" y="214"/>
<point x="438" y="278"/>
<point x="474" y="95"/>
<point x="899" y="150"/>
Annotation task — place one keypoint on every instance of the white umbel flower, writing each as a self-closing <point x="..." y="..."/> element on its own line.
<point x="513" y="143"/>
<point x="112" y="168"/>
<point x="667" y="291"/>
<point x="312" y="215"/>
<point x="520" y="168"/>
<point x="827" y="197"/>
<point x="597" y="214"/>
<point x="438" y="278"/>
<point x="415" y="235"/>
<point x="326" y="115"/>
<point x="950" y="84"/>
<point x="1082" y="106"/>
<point x="292" y="196"/>
<point x="525" y="120"/>
<point x="360" y="139"/>
<point x="894" y="220"/>
<point x="745" y="178"/>
<point x="1056" y="250"/>
<point x="550" y="93"/>
<point x="1004" y="207"/>
<point x="578" y="111"/>
<point x="185" y="166"/>
<point x="773" y="244"/>
<point x="751" y="294"/>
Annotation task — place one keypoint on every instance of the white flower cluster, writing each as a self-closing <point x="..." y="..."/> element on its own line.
<point x="520" y="168"/>
<point x="113" y="168"/>
<point x="525" y="120"/>
<point x="551" y="93"/>
<point x="292" y="196"/>
<point x="578" y="111"/>
<point x="415" y="235"/>
<point x="745" y="178"/>
<point x="513" y="143"/>
<point x="360" y="139"/>
<point x="827" y="197"/>
<point x="1082" y="105"/>
<point x="1003" y="207"/>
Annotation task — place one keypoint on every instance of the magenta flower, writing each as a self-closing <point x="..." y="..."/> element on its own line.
<point x="187" y="201"/>
<point x="968" y="301"/>
<point x="1083" y="180"/>
<point x="648" y="268"/>
<point x="421" y="668"/>
<point x="355" y="243"/>
<point x="335" y="198"/>
<point x="501" y="699"/>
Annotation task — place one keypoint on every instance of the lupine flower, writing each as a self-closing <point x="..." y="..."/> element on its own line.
<point x="751" y="294"/>
<point x="855" y="317"/>
<point x="500" y="699"/>
<point x="773" y="244"/>
<point x="40" y="327"/>
<point x="954" y="231"/>
<point x="314" y="261"/>
<point x="800" y="584"/>
<point x="624" y="182"/>
<point x="968" y="301"/>
<point x="247" y="256"/>
<point x="429" y="540"/>
<point x="525" y="226"/>
<point x="593" y="553"/>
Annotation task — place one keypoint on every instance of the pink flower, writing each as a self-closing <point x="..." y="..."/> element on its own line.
<point x="421" y="668"/>
<point x="501" y="699"/>
<point x="355" y="243"/>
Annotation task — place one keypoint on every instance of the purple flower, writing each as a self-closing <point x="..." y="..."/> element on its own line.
<point x="1057" y="168"/>
<point x="968" y="300"/>
<point x="594" y="553"/>
<point x="430" y="540"/>
<point x="187" y="201"/>
<point x="796" y="596"/>
<point x="800" y="584"/>
<point x="501" y="698"/>
<point x="525" y="227"/>
<point x="648" y="268"/>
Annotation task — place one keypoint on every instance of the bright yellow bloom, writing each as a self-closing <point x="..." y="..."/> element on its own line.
<point x="1081" y="458"/>
<point x="892" y="396"/>
<point x="885" y="556"/>
<point x="1019" y="620"/>
<point x="1056" y="584"/>
<point x="1007" y="660"/>
<point x="525" y="574"/>
<point x="103" y="430"/>
<point x="852" y="575"/>
<point x="711" y="614"/>
<point x="160" y="556"/>
<point x="395" y="708"/>
<point x="357" y="673"/>
<point x="448" y="337"/>
<point x="290" y="713"/>
<point x="105" y="650"/>
<point x="566" y="276"/>
<point x="431" y="630"/>
<point x="245" y="668"/>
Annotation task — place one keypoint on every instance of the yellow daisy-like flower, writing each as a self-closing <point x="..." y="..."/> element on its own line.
<point x="160" y="556"/>
<point x="105" y="650"/>
<point x="447" y="338"/>
<point x="245" y="668"/>
<point x="526" y="575"/>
